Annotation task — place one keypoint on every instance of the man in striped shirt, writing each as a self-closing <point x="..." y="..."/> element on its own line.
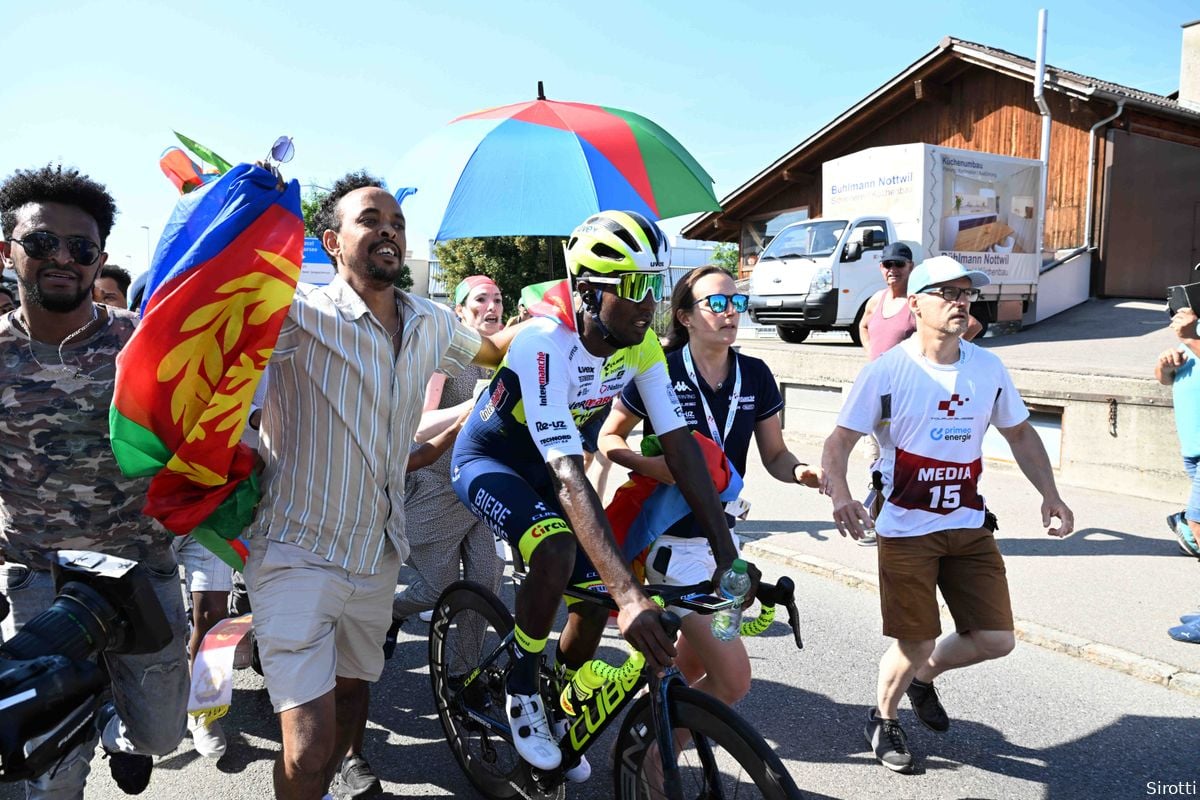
<point x="344" y="394"/>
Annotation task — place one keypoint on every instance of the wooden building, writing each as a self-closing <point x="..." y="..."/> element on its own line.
<point x="1141" y="149"/>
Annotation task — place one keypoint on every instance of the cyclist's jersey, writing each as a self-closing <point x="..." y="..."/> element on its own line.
<point x="549" y="386"/>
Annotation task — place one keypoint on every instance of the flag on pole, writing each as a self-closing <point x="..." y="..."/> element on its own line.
<point x="219" y="289"/>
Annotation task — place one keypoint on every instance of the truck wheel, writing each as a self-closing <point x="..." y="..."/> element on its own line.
<point x="792" y="335"/>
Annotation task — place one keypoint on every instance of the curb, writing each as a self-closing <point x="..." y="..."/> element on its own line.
<point x="1104" y="655"/>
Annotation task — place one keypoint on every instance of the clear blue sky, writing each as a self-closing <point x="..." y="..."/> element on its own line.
<point x="102" y="85"/>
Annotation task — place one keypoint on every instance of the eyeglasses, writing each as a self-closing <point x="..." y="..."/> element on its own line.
<point x="952" y="294"/>
<point x="633" y="285"/>
<point x="44" y="245"/>
<point x="719" y="303"/>
<point x="894" y="264"/>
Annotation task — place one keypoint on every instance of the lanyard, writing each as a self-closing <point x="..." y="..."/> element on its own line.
<point x="718" y="437"/>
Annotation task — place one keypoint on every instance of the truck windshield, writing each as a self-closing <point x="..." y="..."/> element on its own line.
<point x="816" y="238"/>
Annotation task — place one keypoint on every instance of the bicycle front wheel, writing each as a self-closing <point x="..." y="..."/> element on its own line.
<point x="722" y="756"/>
<point x="469" y="623"/>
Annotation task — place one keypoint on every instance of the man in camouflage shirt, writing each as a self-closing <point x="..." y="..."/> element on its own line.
<point x="60" y="487"/>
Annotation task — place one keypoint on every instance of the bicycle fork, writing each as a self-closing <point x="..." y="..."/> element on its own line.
<point x="664" y="731"/>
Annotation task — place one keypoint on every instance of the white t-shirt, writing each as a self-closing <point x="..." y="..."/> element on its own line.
<point x="930" y="420"/>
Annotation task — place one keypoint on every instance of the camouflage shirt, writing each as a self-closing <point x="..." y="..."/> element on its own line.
<point x="60" y="487"/>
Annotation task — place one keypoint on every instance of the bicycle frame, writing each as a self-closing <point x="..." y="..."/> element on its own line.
<point x="595" y="714"/>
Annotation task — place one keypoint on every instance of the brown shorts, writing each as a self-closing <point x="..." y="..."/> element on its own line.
<point x="964" y="563"/>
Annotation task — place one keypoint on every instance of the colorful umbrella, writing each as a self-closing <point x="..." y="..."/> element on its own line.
<point x="541" y="167"/>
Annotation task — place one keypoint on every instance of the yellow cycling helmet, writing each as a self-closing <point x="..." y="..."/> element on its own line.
<point x="617" y="241"/>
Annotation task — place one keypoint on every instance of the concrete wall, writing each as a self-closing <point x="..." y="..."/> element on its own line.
<point x="1116" y="434"/>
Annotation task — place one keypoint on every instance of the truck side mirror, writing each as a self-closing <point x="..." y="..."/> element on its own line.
<point x="853" y="252"/>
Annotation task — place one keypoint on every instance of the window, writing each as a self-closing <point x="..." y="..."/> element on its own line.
<point x="871" y="234"/>
<point x="757" y="233"/>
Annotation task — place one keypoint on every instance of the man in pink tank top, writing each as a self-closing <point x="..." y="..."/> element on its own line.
<point x="886" y="320"/>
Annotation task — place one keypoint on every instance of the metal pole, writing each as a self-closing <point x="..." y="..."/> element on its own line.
<point x="146" y="228"/>
<point x="1039" y="82"/>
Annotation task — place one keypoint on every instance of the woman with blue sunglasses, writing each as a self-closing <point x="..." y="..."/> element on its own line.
<point x="730" y="398"/>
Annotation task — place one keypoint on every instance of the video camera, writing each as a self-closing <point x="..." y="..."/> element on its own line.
<point x="50" y="682"/>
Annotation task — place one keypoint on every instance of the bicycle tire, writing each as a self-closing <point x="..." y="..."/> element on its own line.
<point x="722" y="727"/>
<point x="489" y="761"/>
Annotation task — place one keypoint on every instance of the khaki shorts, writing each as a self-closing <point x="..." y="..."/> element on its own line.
<point x="203" y="570"/>
<point x="964" y="563"/>
<point x="314" y="621"/>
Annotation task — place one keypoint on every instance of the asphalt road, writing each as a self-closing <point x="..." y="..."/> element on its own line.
<point x="1034" y="725"/>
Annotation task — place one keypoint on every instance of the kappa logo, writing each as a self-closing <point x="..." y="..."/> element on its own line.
<point x="953" y="404"/>
<point x="680" y="386"/>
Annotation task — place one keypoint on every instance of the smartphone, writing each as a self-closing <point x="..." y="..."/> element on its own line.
<point x="707" y="601"/>
<point x="1186" y="295"/>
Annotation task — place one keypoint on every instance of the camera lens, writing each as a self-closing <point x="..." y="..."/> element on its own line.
<point x="79" y="623"/>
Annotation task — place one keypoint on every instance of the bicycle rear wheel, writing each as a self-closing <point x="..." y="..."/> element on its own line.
<point x="725" y="757"/>
<point x="469" y="623"/>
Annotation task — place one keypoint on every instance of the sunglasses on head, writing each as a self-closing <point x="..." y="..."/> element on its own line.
<point x="632" y="285"/>
<point x="44" y="245"/>
<point x="952" y="294"/>
<point x="719" y="303"/>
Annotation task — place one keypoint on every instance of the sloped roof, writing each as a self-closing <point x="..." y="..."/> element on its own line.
<point x="949" y="48"/>
<point x="1066" y="81"/>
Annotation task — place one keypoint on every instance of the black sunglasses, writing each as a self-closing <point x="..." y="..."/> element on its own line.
<point x="44" y="245"/>
<point x="952" y="294"/>
<point x="718" y="303"/>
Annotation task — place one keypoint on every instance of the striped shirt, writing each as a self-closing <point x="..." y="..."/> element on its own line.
<point x="339" y="415"/>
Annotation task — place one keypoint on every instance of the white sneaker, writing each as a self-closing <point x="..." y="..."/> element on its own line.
<point x="531" y="732"/>
<point x="208" y="739"/>
<point x="581" y="771"/>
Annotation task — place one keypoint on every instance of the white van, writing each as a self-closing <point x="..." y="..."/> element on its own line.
<point x="978" y="208"/>
<point x="818" y="275"/>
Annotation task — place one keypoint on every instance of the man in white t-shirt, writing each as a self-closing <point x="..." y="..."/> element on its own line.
<point x="929" y="401"/>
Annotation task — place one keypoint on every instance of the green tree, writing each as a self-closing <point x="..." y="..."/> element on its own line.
<point x="511" y="261"/>
<point x="309" y="206"/>
<point x="725" y="256"/>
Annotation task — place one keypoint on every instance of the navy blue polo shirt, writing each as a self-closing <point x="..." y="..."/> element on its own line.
<point x="759" y="398"/>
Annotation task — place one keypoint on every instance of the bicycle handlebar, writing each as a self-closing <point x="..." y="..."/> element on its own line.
<point x="770" y="595"/>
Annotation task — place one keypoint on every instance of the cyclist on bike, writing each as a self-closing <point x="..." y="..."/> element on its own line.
<point x="518" y="463"/>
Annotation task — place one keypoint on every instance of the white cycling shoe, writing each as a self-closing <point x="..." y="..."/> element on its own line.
<point x="581" y="771"/>
<point x="531" y="731"/>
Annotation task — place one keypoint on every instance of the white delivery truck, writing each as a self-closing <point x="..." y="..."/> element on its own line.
<point x="979" y="208"/>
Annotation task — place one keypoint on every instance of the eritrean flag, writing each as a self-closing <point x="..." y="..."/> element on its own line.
<point x="550" y="299"/>
<point x="220" y="287"/>
<point x="643" y="508"/>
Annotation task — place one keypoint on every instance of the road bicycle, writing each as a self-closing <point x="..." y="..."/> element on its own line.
<point x="722" y="755"/>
